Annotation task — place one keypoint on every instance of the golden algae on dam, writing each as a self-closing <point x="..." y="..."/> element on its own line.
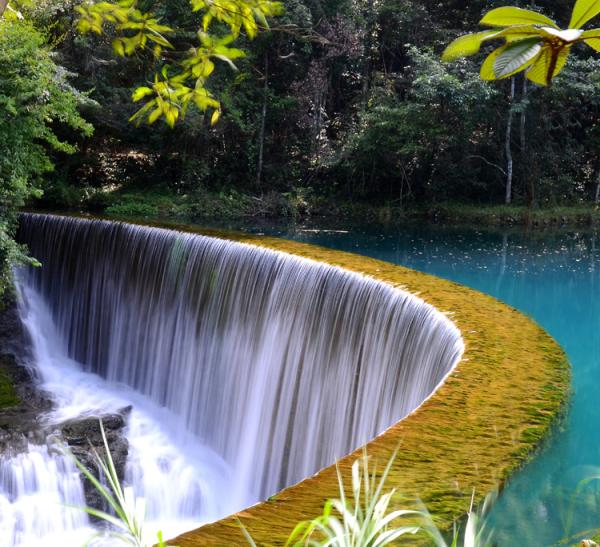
<point x="478" y="427"/>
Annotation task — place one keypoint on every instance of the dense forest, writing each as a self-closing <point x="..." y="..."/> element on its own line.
<point x="341" y="103"/>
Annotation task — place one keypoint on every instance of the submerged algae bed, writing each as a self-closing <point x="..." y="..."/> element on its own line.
<point x="481" y="425"/>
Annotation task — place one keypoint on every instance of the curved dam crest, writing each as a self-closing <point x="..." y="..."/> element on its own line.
<point x="278" y="363"/>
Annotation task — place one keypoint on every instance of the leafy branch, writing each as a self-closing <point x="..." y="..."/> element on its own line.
<point x="176" y="87"/>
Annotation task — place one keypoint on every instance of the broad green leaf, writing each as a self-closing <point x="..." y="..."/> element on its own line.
<point x="517" y="32"/>
<point x="549" y="60"/>
<point x="584" y="11"/>
<point x="487" y="68"/>
<point x="466" y="45"/>
<point x="516" y="56"/>
<point x="508" y="16"/>
<point x="592" y="38"/>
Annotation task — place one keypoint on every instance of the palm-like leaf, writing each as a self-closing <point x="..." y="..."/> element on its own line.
<point x="533" y="42"/>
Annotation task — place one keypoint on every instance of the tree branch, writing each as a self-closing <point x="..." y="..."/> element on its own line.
<point x="489" y="163"/>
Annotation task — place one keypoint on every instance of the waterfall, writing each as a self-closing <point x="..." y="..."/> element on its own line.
<point x="275" y="364"/>
<point x="35" y="488"/>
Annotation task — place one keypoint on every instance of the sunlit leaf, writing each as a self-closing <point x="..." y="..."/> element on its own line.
<point x="584" y="11"/>
<point x="155" y="115"/>
<point x="466" y="45"/>
<point x="548" y="65"/>
<point x="184" y="82"/>
<point x="592" y="38"/>
<point x="515" y="57"/>
<point x="142" y="92"/>
<point x="504" y="17"/>
<point x="119" y="47"/>
<point x="569" y="35"/>
<point x="487" y="68"/>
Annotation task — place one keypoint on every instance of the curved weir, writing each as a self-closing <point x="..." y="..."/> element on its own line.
<point x="278" y="364"/>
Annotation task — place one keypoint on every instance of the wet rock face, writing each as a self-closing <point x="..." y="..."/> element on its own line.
<point x="22" y="414"/>
<point x="84" y="438"/>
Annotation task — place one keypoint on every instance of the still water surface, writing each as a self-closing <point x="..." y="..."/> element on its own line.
<point x="553" y="277"/>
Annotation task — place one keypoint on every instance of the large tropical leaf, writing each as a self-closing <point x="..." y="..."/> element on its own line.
<point x="471" y="43"/>
<point x="487" y="68"/>
<point x="520" y="32"/>
<point x="584" y="11"/>
<point x="592" y="38"/>
<point x="516" y="56"/>
<point x="548" y="65"/>
<point x="508" y="16"/>
<point x="466" y="45"/>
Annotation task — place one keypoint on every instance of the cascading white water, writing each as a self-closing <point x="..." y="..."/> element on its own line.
<point x="37" y="487"/>
<point x="276" y="364"/>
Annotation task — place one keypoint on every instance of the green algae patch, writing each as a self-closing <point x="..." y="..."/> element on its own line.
<point x="481" y="425"/>
<point x="8" y="394"/>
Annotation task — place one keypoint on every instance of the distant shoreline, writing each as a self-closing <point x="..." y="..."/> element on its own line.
<point x="299" y="208"/>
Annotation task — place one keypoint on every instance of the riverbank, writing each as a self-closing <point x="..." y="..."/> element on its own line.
<point x="303" y="204"/>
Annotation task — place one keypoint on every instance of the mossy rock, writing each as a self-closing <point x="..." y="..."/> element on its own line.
<point x="8" y="393"/>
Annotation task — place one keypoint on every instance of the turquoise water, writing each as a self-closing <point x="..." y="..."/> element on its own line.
<point x="554" y="278"/>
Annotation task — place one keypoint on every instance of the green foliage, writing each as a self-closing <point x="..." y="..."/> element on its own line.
<point x="429" y="135"/>
<point x="176" y="87"/>
<point x="533" y="42"/>
<point x="35" y="99"/>
<point x="132" y="210"/>
<point x="361" y="519"/>
<point x="364" y="119"/>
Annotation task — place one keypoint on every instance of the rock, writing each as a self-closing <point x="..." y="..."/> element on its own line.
<point x="84" y="439"/>
<point x="13" y="337"/>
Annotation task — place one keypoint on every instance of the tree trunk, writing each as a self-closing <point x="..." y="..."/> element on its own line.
<point x="368" y="45"/>
<point x="507" y="144"/>
<point x="3" y="4"/>
<point x="523" y="118"/>
<point x="263" y="123"/>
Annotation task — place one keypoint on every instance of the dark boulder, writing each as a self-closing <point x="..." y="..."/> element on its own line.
<point x="84" y="438"/>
